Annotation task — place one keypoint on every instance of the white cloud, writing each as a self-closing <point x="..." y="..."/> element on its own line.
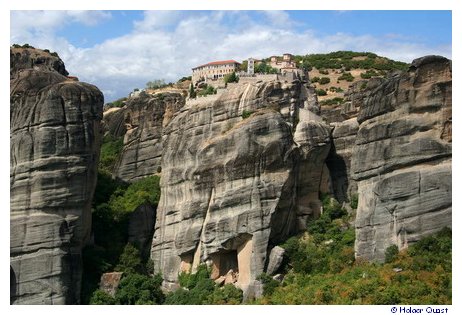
<point x="167" y="44"/>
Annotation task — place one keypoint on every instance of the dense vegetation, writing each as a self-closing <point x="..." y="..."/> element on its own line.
<point x="321" y="268"/>
<point x="110" y="151"/>
<point x="198" y="289"/>
<point x="113" y="202"/>
<point x="348" y="60"/>
<point x="117" y="103"/>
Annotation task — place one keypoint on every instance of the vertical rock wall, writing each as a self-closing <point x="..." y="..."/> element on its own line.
<point x="229" y="182"/>
<point x="402" y="158"/>
<point x="54" y="150"/>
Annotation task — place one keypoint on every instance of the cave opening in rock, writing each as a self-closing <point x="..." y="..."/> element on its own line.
<point x="224" y="262"/>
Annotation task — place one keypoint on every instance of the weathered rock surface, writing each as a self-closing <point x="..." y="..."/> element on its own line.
<point x="54" y="149"/>
<point x="275" y="260"/>
<point x="343" y="120"/>
<point x="230" y="185"/>
<point x="141" y="227"/>
<point x="31" y="58"/>
<point x="110" y="282"/>
<point x="141" y="121"/>
<point x="402" y="158"/>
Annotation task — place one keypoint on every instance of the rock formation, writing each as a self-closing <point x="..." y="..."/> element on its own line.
<point x="141" y="121"/>
<point x="233" y="185"/>
<point x="54" y="149"/>
<point x="402" y="158"/>
<point x="31" y="58"/>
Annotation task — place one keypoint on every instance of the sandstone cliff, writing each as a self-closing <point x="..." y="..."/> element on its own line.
<point x="402" y="158"/>
<point x="54" y="149"/>
<point x="141" y="122"/>
<point x="31" y="58"/>
<point x="237" y="178"/>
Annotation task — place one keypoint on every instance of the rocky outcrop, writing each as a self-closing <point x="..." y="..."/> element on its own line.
<point x="232" y="184"/>
<point x="31" y="58"/>
<point x="141" y="227"/>
<point x="141" y="121"/>
<point x="110" y="282"/>
<point x="343" y="120"/>
<point x="402" y="158"/>
<point x="54" y="149"/>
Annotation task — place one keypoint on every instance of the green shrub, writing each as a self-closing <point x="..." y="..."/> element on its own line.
<point x="315" y="79"/>
<point x="228" y="294"/>
<point x="246" y="113"/>
<point x="130" y="260"/>
<point x="324" y="80"/>
<point x="391" y="253"/>
<point x="189" y="280"/>
<point x="354" y="201"/>
<point x="321" y="92"/>
<point x="143" y="191"/>
<point x="139" y="289"/>
<point x="110" y="151"/>
<point x="100" y="297"/>
<point x="332" y="101"/>
<point x="347" y="76"/>
<point x="230" y="78"/>
<point x="192" y="92"/>
<point x="269" y="284"/>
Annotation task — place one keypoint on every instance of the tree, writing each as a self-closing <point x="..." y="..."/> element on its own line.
<point x="130" y="260"/>
<point x="100" y="297"/>
<point x="324" y="80"/>
<point x="140" y="289"/>
<point x="156" y="84"/>
<point x="192" y="92"/>
<point x="232" y="77"/>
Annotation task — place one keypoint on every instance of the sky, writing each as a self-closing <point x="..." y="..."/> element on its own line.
<point x="121" y="50"/>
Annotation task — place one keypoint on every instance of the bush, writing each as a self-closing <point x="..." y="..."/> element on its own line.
<point x="324" y="80"/>
<point x="208" y="91"/>
<point x="246" y="113"/>
<point x="332" y="101"/>
<point x="228" y="294"/>
<point x="110" y="151"/>
<point x="139" y="289"/>
<point x="321" y="92"/>
<point x="230" y="78"/>
<point x="192" y="92"/>
<point x="347" y="76"/>
<point x="391" y="253"/>
<point x="145" y="190"/>
<point x="315" y="79"/>
<point x="189" y="280"/>
<point x="130" y="260"/>
<point x="100" y="297"/>
<point x="269" y="284"/>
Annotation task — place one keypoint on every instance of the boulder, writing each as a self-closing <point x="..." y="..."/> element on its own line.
<point x="110" y="282"/>
<point x="275" y="260"/>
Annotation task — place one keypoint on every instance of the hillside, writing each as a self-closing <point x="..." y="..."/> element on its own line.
<point x="343" y="68"/>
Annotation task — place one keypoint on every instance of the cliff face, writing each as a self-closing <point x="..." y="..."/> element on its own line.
<point x="54" y="149"/>
<point x="141" y="122"/>
<point x="402" y="158"/>
<point x="234" y="186"/>
<point x="31" y="58"/>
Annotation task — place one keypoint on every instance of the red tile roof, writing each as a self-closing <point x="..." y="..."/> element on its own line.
<point x="222" y="62"/>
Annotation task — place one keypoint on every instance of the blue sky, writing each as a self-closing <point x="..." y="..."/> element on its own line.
<point x="121" y="50"/>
